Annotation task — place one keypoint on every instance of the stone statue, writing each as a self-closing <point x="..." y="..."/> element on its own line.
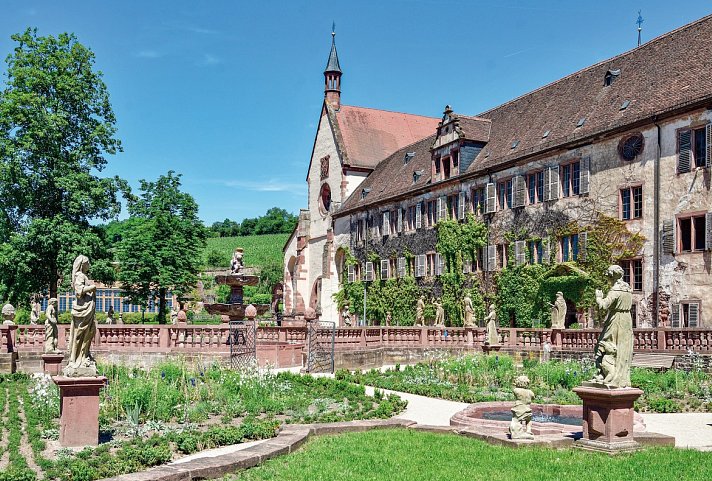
<point x="346" y="316"/>
<point x="469" y="311"/>
<point x="558" y="312"/>
<point x="236" y="265"/>
<point x="491" y="320"/>
<point x="439" y="314"/>
<point x="389" y="318"/>
<point x="81" y="333"/>
<point x="419" y="312"/>
<point x="110" y="315"/>
<point x="34" y="310"/>
<point x="521" y="425"/>
<point x="51" y="331"/>
<point x="8" y="314"/>
<point x="614" y="350"/>
<point x="121" y="319"/>
<point x="174" y="314"/>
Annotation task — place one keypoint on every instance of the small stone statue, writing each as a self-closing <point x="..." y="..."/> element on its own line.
<point x="236" y="265"/>
<point x="491" y="320"/>
<point x="521" y="425"/>
<point x="110" y="315"/>
<point x="34" y="310"/>
<point x="614" y="350"/>
<point x="419" y="312"/>
<point x="346" y="316"/>
<point x="439" y="314"/>
<point x="8" y="315"/>
<point x="81" y="363"/>
<point x="174" y="314"/>
<point x="469" y="311"/>
<point x="51" y="331"/>
<point x="388" y="318"/>
<point x="120" y="322"/>
<point x="558" y="312"/>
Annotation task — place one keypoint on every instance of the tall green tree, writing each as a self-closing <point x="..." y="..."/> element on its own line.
<point x="162" y="250"/>
<point x="56" y="128"/>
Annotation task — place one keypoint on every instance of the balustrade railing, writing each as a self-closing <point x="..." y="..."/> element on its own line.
<point x="215" y="338"/>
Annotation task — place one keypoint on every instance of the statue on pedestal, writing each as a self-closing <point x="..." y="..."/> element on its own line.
<point x="346" y="316"/>
<point x="51" y="331"/>
<point x="389" y="318"/>
<point x="8" y="315"/>
<point x="614" y="350"/>
<point x="419" y="312"/>
<point x="81" y="363"/>
<point x="110" y="315"/>
<point x="34" y="310"/>
<point x="236" y="264"/>
<point x="439" y="314"/>
<point x="468" y="311"/>
<point x="521" y="425"/>
<point x="491" y="320"/>
<point x="558" y="312"/>
<point x="174" y="314"/>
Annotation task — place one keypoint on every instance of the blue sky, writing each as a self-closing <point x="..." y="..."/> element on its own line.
<point x="228" y="93"/>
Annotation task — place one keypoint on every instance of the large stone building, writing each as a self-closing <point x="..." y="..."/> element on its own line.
<point x="628" y="137"/>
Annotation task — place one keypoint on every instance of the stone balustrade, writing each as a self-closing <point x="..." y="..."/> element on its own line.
<point x="215" y="338"/>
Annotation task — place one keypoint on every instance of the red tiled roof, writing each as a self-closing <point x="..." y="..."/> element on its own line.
<point x="661" y="74"/>
<point x="475" y="128"/>
<point x="370" y="135"/>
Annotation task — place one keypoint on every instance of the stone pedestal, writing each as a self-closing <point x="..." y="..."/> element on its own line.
<point x="607" y="418"/>
<point x="52" y="363"/>
<point x="79" y="410"/>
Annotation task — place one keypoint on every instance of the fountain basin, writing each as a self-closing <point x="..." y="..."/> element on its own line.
<point x="234" y="311"/>
<point x="237" y="280"/>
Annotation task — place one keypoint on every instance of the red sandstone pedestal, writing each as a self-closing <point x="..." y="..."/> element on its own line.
<point x="52" y="363"/>
<point x="607" y="418"/>
<point x="79" y="409"/>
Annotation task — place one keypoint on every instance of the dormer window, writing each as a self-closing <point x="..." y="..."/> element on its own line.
<point x="514" y="144"/>
<point x="408" y="157"/>
<point x="546" y="134"/>
<point x="364" y="193"/>
<point x="581" y="121"/>
<point x="416" y="175"/>
<point x="611" y="76"/>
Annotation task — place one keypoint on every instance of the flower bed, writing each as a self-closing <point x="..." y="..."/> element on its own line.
<point x="150" y="418"/>
<point x="478" y="378"/>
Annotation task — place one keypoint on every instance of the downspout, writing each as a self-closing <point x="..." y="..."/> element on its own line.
<point x="656" y="229"/>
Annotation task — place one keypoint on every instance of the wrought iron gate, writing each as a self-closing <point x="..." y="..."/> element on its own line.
<point x="320" y="346"/>
<point x="243" y="344"/>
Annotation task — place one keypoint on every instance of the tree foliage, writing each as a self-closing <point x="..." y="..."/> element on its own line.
<point x="56" y="128"/>
<point x="275" y="221"/>
<point x="162" y="251"/>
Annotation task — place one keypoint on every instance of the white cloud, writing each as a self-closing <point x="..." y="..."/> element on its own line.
<point x="149" y="54"/>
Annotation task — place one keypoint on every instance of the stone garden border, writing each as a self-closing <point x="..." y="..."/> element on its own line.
<point x="292" y="436"/>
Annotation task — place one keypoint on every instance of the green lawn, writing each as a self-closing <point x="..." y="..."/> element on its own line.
<point x="260" y="250"/>
<point x="407" y="455"/>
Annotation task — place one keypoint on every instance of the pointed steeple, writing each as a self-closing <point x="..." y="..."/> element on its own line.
<point x="332" y="75"/>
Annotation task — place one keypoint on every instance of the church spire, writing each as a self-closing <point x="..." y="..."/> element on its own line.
<point x="332" y="74"/>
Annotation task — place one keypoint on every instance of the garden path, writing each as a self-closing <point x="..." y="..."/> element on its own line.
<point x="691" y="430"/>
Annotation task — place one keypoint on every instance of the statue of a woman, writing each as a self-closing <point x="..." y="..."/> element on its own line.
<point x="469" y="312"/>
<point x="491" y="319"/>
<point x="420" y="312"/>
<point x="558" y="312"/>
<point x="614" y="350"/>
<point x="81" y="363"/>
<point x="439" y="314"/>
<point x="51" y="331"/>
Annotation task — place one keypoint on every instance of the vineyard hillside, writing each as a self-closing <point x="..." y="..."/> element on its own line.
<point x="260" y="250"/>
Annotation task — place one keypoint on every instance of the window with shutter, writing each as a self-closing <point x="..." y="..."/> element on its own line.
<point x="668" y="236"/>
<point x="491" y="198"/>
<point x="384" y="269"/>
<point x="461" y="206"/>
<point x="352" y="274"/>
<point x="675" y="315"/>
<point x="546" y="250"/>
<point x="369" y="271"/>
<point x="491" y="258"/>
<point x="584" y="174"/>
<point x="553" y="193"/>
<point x="520" y="191"/>
<point x="386" y="223"/>
<point x="442" y="208"/>
<point x="708" y="146"/>
<point x="520" y="253"/>
<point x="420" y="265"/>
<point x="399" y="220"/>
<point x="582" y="244"/>
<point x="401" y="267"/>
<point x="693" y="315"/>
<point x="684" y="157"/>
<point x="419" y="215"/>
<point x="439" y="264"/>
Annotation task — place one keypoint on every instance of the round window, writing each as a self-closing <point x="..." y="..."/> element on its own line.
<point x="325" y="198"/>
<point x="631" y="147"/>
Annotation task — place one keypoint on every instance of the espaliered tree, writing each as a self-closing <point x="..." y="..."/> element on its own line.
<point x="56" y="128"/>
<point x="162" y="251"/>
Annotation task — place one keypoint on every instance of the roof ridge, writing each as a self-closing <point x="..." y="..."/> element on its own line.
<point x="597" y="64"/>
<point x="390" y="111"/>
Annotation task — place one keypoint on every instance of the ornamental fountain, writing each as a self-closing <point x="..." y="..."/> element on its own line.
<point x="235" y="309"/>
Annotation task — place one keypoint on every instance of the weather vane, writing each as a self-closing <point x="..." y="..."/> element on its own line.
<point x="639" y="22"/>
<point x="333" y="29"/>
